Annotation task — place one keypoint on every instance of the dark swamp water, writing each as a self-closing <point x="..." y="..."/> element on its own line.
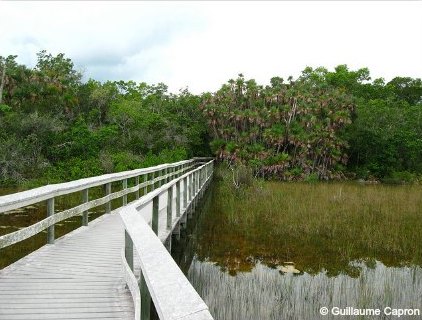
<point x="236" y="287"/>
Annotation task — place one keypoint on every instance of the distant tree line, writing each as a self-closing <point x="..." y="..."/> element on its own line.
<point x="323" y="125"/>
<point x="54" y="127"/>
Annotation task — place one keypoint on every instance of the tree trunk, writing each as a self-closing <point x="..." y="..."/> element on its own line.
<point x="3" y="76"/>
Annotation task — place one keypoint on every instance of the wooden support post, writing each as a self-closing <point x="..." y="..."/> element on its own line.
<point x="185" y="193"/>
<point x="184" y="220"/>
<point x="137" y="184"/>
<point x="152" y="179"/>
<point x="169" y="208"/>
<point x="85" y="213"/>
<point x="124" y="198"/>
<point x="155" y="211"/>
<point x="129" y="250"/>
<point x="165" y="179"/>
<point x="200" y="183"/>
<point x="146" y="187"/>
<point x="107" y="192"/>
<point x="190" y="187"/>
<point x="167" y="244"/>
<point x="176" y="230"/>
<point x="195" y="184"/>
<point x="145" y="299"/>
<point x="50" y="212"/>
<point x="178" y="198"/>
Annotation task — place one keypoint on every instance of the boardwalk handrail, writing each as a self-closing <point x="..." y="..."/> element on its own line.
<point x="161" y="279"/>
<point x="152" y="176"/>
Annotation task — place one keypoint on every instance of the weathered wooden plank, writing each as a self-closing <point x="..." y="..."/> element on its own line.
<point x="49" y="284"/>
<point x="42" y="316"/>
<point x="92" y="308"/>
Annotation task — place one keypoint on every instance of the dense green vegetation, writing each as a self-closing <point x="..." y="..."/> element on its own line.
<point x="322" y="125"/>
<point x="54" y="127"/>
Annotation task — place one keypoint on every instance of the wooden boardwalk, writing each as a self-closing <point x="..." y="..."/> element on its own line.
<point x="115" y="266"/>
<point x="78" y="277"/>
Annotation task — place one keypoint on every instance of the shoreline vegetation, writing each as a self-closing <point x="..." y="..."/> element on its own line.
<point x="313" y="226"/>
<point x="322" y="125"/>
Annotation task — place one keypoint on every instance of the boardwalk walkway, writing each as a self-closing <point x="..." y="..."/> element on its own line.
<point x="115" y="266"/>
<point x="79" y="277"/>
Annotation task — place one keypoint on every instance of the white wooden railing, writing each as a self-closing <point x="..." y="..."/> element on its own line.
<point x="160" y="278"/>
<point x="151" y="177"/>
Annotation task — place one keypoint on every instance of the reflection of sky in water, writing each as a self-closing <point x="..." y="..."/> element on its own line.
<point x="265" y="293"/>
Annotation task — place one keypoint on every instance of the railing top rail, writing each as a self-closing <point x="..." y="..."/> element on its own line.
<point x="159" y="191"/>
<point x="172" y="294"/>
<point x="28" y="197"/>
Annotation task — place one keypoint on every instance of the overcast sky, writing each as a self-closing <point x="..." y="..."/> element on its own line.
<point x="201" y="45"/>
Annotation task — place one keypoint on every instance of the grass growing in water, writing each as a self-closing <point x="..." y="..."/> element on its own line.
<point x="315" y="225"/>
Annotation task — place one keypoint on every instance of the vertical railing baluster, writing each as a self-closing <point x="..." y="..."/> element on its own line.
<point x="169" y="207"/>
<point x="124" y="198"/>
<point x="137" y="184"/>
<point x="185" y="192"/>
<point x="107" y="192"/>
<point x="50" y="212"/>
<point x="194" y="184"/>
<point x="129" y="250"/>
<point x="190" y="187"/>
<point x="152" y="179"/>
<point x="155" y="211"/>
<point x="146" y="187"/>
<point x="85" y="213"/>
<point x="145" y="299"/>
<point x="178" y="198"/>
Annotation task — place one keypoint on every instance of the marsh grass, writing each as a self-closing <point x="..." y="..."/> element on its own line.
<point x="318" y="226"/>
<point x="265" y="294"/>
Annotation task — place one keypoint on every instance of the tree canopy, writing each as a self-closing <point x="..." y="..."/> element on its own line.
<point x="322" y="125"/>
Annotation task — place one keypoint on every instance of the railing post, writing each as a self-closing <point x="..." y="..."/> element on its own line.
<point x="178" y="198"/>
<point x="169" y="207"/>
<point x="146" y="187"/>
<point x="107" y="192"/>
<point x="85" y="213"/>
<point x="190" y="187"/>
<point x="50" y="212"/>
<point x="155" y="211"/>
<point x="145" y="299"/>
<point x="152" y="179"/>
<point x="124" y="198"/>
<point x="185" y="192"/>
<point x="137" y="184"/>
<point x="193" y="202"/>
<point x="129" y="250"/>
<point x="195" y="185"/>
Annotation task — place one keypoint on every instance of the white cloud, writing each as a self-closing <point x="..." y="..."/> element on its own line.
<point x="203" y="44"/>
